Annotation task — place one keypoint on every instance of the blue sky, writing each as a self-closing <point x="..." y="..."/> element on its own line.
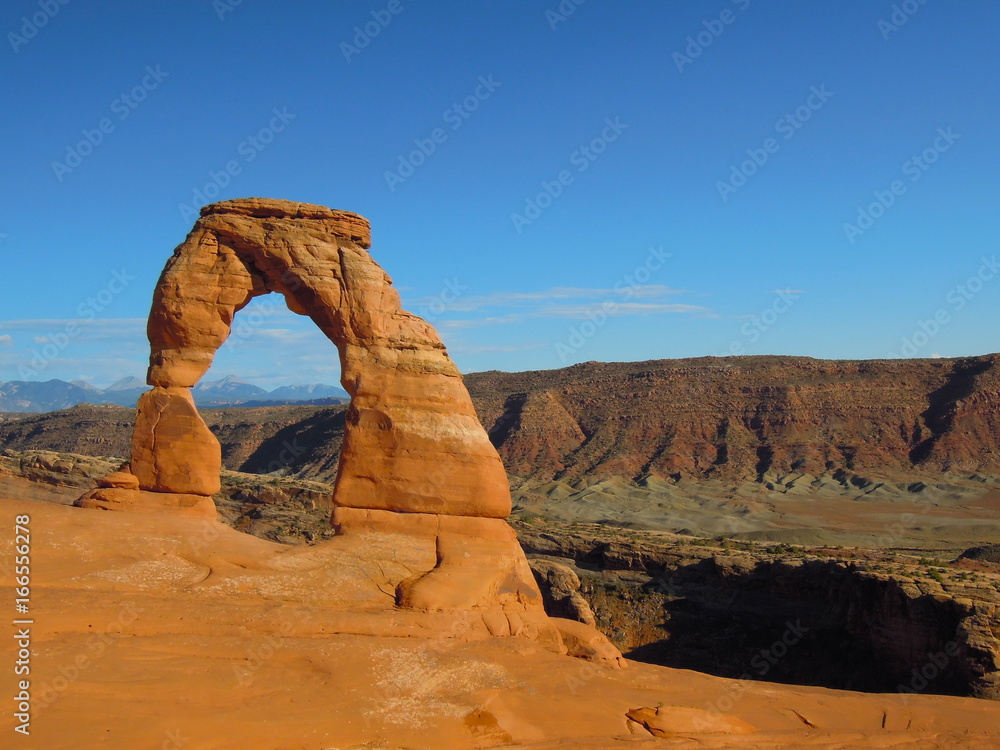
<point x="728" y="176"/>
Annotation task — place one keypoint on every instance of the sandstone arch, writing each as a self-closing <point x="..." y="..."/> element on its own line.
<point x="412" y="442"/>
<point x="416" y="468"/>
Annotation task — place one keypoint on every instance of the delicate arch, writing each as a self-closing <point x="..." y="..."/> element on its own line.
<point x="415" y="465"/>
<point x="412" y="441"/>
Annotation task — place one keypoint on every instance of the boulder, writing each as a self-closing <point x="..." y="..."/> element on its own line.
<point x="560" y="587"/>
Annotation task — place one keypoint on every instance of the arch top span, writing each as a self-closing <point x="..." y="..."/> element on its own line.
<point x="412" y="441"/>
<point x="344" y="224"/>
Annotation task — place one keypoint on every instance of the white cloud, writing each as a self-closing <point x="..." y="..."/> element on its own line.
<point x="558" y="302"/>
<point x="265" y="332"/>
<point x="619" y="308"/>
<point x="459" y="348"/>
<point x="577" y="312"/>
<point x="518" y="299"/>
<point x="27" y="324"/>
<point x="78" y="329"/>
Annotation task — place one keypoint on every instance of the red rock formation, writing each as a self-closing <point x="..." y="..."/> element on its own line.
<point x="415" y="467"/>
<point x="412" y="444"/>
<point x="742" y="417"/>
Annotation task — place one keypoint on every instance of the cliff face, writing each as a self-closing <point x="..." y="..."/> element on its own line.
<point x="739" y="419"/>
<point x="729" y="419"/>
<point x="857" y="620"/>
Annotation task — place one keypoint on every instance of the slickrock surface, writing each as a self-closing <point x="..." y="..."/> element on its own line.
<point x="869" y="617"/>
<point x="184" y="630"/>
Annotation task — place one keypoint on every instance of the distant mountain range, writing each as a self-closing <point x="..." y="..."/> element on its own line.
<point x="51" y="395"/>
